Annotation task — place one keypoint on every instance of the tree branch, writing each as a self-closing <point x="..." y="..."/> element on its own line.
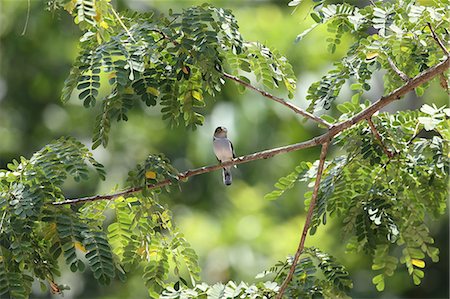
<point x="332" y="131"/>
<point x="301" y="245"/>
<point x="423" y="77"/>
<point x="291" y="106"/>
<point x="401" y="74"/>
<point x="378" y="136"/>
<point x="189" y="173"/>
<point x="438" y="40"/>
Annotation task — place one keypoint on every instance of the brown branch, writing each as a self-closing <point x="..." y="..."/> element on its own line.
<point x="291" y="106"/>
<point x="437" y="39"/>
<point x="334" y="130"/>
<point x="164" y="36"/>
<point x="312" y="204"/>
<point x="423" y="77"/>
<point x="189" y="173"/>
<point x="378" y="136"/>
<point x="401" y="74"/>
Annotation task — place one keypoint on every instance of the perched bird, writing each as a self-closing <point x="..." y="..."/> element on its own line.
<point x="223" y="149"/>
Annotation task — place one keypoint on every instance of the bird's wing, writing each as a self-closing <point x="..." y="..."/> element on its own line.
<point x="232" y="149"/>
<point x="234" y="154"/>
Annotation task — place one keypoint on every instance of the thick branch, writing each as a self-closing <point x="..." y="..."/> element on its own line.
<point x="423" y="77"/>
<point x="401" y="74"/>
<point x="438" y="40"/>
<point x="378" y="136"/>
<point x="335" y="129"/>
<point x="312" y="204"/>
<point x="291" y="106"/>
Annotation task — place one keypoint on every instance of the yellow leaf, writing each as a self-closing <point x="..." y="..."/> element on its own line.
<point x="104" y="24"/>
<point x="153" y="91"/>
<point x="404" y="49"/>
<point x="70" y="6"/>
<point x="140" y="251"/>
<point x="426" y="2"/>
<point x="197" y="95"/>
<point x="99" y="37"/>
<point x="371" y="55"/>
<point x="185" y="69"/>
<point x="80" y="246"/>
<point x="129" y="90"/>
<point x="97" y="16"/>
<point x="150" y="175"/>
<point x="418" y="263"/>
<point x="50" y="231"/>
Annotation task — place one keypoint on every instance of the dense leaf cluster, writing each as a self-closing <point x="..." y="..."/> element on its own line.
<point x="316" y="275"/>
<point x="382" y="201"/>
<point x="393" y="30"/>
<point x="35" y="233"/>
<point x="172" y="62"/>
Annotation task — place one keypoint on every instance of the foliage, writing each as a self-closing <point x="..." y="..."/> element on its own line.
<point x="172" y="61"/>
<point x="317" y="274"/>
<point x="383" y="201"/>
<point x="35" y="233"/>
<point x="396" y="30"/>
<point x="175" y="63"/>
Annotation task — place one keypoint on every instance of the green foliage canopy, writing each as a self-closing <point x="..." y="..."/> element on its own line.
<point x="383" y="200"/>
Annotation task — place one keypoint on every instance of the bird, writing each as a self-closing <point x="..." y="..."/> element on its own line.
<point x="223" y="149"/>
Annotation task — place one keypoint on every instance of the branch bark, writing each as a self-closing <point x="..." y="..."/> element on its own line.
<point x="291" y="106"/>
<point x="401" y="74"/>
<point x="438" y="40"/>
<point x="332" y="131"/>
<point x="312" y="204"/>
<point x="378" y="136"/>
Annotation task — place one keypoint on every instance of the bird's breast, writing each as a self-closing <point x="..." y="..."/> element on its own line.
<point x="222" y="149"/>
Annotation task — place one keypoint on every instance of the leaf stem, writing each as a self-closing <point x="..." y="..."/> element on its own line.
<point x="122" y="24"/>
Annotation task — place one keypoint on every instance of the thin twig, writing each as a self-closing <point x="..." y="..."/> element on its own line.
<point x="27" y="19"/>
<point x="1" y="222"/>
<point x="312" y="204"/>
<point x="296" y="109"/>
<point x="401" y="74"/>
<point x="122" y="24"/>
<point x="437" y="39"/>
<point x="334" y="130"/>
<point x="378" y="136"/>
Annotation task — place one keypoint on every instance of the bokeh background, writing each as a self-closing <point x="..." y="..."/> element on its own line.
<point x="234" y="230"/>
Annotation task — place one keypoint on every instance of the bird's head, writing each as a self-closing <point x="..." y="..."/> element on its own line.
<point x="220" y="132"/>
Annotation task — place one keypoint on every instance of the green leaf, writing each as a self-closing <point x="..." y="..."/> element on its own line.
<point x="99" y="256"/>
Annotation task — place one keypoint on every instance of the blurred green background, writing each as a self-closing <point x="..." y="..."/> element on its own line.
<point x="234" y="230"/>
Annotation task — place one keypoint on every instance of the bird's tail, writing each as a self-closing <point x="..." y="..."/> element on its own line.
<point x="227" y="179"/>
